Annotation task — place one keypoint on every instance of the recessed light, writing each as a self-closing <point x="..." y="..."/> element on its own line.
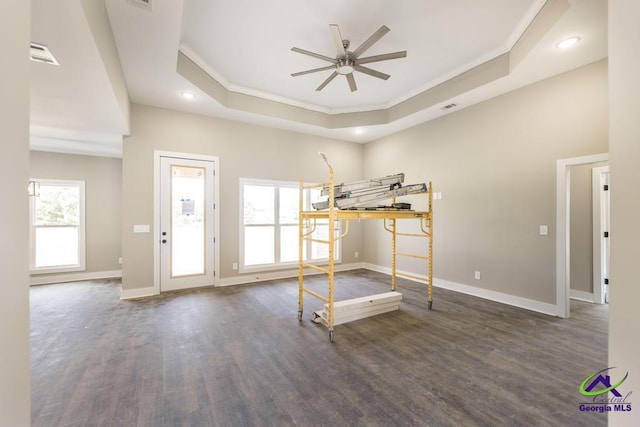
<point x="568" y="42"/>
<point x="358" y="131"/>
<point x="188" y="95"/>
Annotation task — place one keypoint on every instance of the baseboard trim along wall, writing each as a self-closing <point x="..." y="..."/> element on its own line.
<point x="242" y="280"/>
<point x="282" y="274"/>
<point x="581" y="295"/>
<point x="137" y="293"/>
<point x="74" y="277"/>
<point x="500" y="297"/>
<point x="528" y="304"/>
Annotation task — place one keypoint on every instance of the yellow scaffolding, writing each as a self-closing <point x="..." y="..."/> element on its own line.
<point x="307" y="222"/>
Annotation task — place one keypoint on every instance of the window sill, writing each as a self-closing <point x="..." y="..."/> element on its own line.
<point x="53" y="270"/>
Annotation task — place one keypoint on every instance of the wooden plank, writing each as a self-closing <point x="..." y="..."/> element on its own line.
<point x="363" y="313"/>
<point x="360" y="308"/>
<point x="367" y="301"/>
<point x="367" y="214"/>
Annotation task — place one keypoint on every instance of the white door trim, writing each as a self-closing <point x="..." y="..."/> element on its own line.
<point x="157" y="155"/>
<point x="598" y="229"/>
<point x="563" y="197"/>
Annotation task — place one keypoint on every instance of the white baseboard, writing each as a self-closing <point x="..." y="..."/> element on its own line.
<point x="282" y="274"/>
<point x="137" y="293"/>
<point x="240" y="280"/>
<point x="581" y="295"/>
<point x="528" y="304"/>
<point x="74" y="277"/>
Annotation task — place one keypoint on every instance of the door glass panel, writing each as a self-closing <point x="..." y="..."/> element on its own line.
<point x="187" y="221"/>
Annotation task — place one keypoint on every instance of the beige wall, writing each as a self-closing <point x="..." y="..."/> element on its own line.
<point x="15" y="399"/>
<point x="98" y="19"/>
<point x="245" y="151"/>
<point x="581" y="243"/>
<point x="103" y="195"/>
<point x="624" y="316"/>
<point x="495" y="164"/>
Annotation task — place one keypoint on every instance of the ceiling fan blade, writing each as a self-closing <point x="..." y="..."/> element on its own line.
<point x="326" y="82"/>
<point x="337" y="39"/>
<point x="352" y="82"/>
<point x="383" y="57"/>
<point x="370" y="41"/>
<point x="315" y="55"/>
<point x="301" y="73"/>
<point x="371" y="72"/>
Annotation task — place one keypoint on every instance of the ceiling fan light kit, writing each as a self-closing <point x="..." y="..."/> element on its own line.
<point x="346" y="62"/>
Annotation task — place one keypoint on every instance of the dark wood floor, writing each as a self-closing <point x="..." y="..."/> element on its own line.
<point x="237" y="356"/>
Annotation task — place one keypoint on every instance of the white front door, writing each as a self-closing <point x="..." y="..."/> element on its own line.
<point x="186" y="223"/>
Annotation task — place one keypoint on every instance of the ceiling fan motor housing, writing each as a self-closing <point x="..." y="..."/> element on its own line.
<point x="345" y="66"/>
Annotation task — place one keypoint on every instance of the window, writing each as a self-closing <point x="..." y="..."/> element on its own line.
<point x="269" y="226"/>
<point x="57" y="226"/>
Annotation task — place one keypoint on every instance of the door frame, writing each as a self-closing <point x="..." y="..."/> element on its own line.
<point x="563" y="221"/>
<point x="157" y="155"/>
<point x="599" y="227"/>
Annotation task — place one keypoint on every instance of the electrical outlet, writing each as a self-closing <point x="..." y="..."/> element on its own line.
<point x="235" y="266"/>
<point x="356" y="254"/>
<point x="120" y="261"/>
<point x="477" y="275"/>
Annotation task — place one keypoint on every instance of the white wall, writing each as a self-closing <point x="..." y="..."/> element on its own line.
<point x="495" y="164"/>
<point x="244" y="151"/>
<point x="15" y="22"/>
<point x="624" y="101"/>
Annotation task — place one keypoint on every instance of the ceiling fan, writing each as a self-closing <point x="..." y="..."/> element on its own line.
<point x="346" y="62"/>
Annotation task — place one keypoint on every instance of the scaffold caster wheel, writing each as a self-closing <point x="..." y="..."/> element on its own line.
<point x="330" y="336"/>
<point x="299" y="315"/>
<point x="430" y="304"/>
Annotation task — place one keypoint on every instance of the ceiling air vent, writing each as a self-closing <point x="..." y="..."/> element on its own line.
<point x="41" y="53"/>
<point x="449" y="106"/>
<point x="145" y="4"/>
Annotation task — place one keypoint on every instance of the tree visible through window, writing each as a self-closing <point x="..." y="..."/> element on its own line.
<point x="269" y="226"/>
<point x="57" y="226"/>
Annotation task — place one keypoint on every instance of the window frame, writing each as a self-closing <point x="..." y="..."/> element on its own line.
<point x="81" y="265"/>
<point x="277" y="264"/>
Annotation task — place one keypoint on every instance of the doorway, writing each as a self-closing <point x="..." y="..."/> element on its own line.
<point x="563" y="255"/>
<point x="186" y="221"/>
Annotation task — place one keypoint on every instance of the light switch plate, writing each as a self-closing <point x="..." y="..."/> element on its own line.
<point x="544" y="230"/>
<point x="141" y="228"/>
